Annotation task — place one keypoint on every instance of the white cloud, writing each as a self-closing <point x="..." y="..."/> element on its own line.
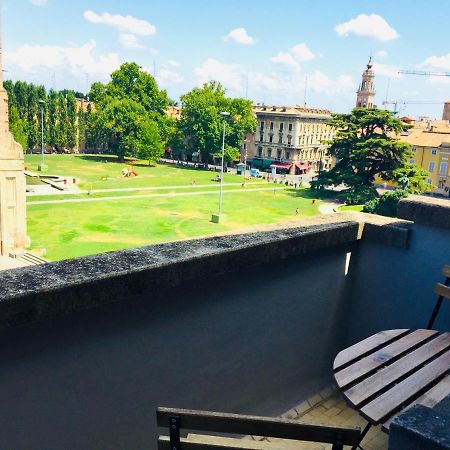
<point x="38" y="2"/>
<point x="371" y="26"/>
<point x="173" y="63"/>
<point x="386" y="70"/>
<point x="321" y="83"/>
<point x="126" y="23"/>
<point x="293" y="57"/>
<point x="439" y="62"/>
<point x="167" y="77"/>
<point x="230" y="75"/>
<point x="77" y="60"/>
<point x="285" y="59"/>
<point x="130" y="41"/>
<point x="381" y="54"/>
<point x="240" y="36"/>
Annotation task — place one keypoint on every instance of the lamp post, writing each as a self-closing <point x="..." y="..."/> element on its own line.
<point x="245" y="156"/>
<point x="216" y="217"/>
<point x="42" y="166"/>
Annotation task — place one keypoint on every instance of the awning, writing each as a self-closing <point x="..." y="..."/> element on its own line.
<point x="305" y="166"/>
<point x="281" y="166"/>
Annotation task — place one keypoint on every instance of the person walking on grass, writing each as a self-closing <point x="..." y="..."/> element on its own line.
<point x="297" y="211"/>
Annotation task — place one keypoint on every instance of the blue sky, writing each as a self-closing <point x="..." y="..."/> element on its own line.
<point x="271" y="52"/>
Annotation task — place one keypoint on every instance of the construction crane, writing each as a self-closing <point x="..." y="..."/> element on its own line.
<point x="401" y="102"/>
<point x="424" y="72"/>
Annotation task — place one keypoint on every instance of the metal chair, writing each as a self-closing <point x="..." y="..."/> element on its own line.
<point x="443" y="291"/>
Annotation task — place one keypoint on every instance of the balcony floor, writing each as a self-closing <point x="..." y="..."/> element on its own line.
<point x="327" y="407"/>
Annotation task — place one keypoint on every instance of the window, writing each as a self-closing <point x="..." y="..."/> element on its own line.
<point x="261" y="136"/>
<point x="270" y="138"/>
<point x="431" y="167"/>
<point x="271" y="125"/>
<point x="289" y="141"/>
<point x="260" y="151"/>
<point x="433" y="151"/>
<point x="288" y="154"/>
<point x="443" y="168"/>
<point x="290" y="127"/>
<point x="279" y="154"/>
<point x="280" y="139"/>
<point x="261" y="125"/>
<point x="269" y="153"/>
<point x="281" y="127"/>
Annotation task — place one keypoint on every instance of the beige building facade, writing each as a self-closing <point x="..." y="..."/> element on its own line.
<point x="430" y="144"/>
<point x="13" y="236"/>
<point x="292" y="139"/>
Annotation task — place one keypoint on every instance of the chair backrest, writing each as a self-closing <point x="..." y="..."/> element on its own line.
<point x="442" y="291"/>
<point x="218" y="422"/>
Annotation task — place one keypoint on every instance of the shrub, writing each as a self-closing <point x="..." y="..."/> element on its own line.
<point x="386" y="205"/>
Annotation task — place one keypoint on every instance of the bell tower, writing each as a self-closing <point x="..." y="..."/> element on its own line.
<point x="12" y="182"/>
<point x="365" y="95"/>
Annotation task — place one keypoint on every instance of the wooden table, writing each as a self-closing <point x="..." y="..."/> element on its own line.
<point x="392" y="371"/>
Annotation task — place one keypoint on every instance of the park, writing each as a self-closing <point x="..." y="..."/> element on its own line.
<point x="162" y="203"/>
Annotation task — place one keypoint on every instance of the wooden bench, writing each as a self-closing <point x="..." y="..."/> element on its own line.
<point x="237" y="424"/>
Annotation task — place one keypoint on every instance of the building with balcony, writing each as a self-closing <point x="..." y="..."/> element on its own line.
<point x="246" y="323"/>
<point x="292" y="139"/>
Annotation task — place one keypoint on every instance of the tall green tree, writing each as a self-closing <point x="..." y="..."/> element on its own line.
<point x="128" y="130"/>
<point x="52" y="117"/>
<point x="71" y="105"/>
<point x="18" y="127"/>
<point x="202" y="124"/>
<point x="130" y="103"/>
<point x="364" y="148"/>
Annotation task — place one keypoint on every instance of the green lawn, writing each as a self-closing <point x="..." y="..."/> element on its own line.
<point x="104" y="172"/>
<point x="67" y="230"/>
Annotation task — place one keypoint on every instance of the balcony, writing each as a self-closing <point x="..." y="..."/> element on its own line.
<point x="247" y="323"/>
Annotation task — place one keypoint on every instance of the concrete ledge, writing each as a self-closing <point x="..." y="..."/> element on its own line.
<point x="425" y="211"/>
<point x="33" y="293"/>
<point x="420" y="428"/>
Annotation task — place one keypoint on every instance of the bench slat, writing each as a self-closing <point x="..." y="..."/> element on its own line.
<point x="204" y="442"/>
<point x="256" y="425"/>
<point x="442" y="290"/>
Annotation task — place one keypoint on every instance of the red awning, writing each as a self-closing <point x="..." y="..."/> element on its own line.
<point x="281" y="166"/>
<point x="303" y="166"/>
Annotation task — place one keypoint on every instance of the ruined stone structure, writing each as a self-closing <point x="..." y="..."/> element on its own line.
<point x="12" y="182"/>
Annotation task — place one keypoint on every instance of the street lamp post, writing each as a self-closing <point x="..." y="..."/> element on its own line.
<point x="42" y="167"/>
<point x="245" y="157"/>
<point x="216" y="217"/>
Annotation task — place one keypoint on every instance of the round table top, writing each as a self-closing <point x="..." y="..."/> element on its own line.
<point x="394" y="370"/>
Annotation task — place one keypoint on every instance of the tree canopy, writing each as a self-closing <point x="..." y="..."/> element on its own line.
<point x="201" y="123"/>
<point x="60" y="121"/>
<point x="129" y="117"/>
<point x="364" y="147"/>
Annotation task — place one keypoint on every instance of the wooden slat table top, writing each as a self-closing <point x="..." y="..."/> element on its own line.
<point x="394" y="370"/>
<point x="367" y="365"/>
<point x="431" y="398"/>
<point x="365" y="346"/>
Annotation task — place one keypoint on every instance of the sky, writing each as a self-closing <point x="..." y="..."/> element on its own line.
<point x="282" y="53"/>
